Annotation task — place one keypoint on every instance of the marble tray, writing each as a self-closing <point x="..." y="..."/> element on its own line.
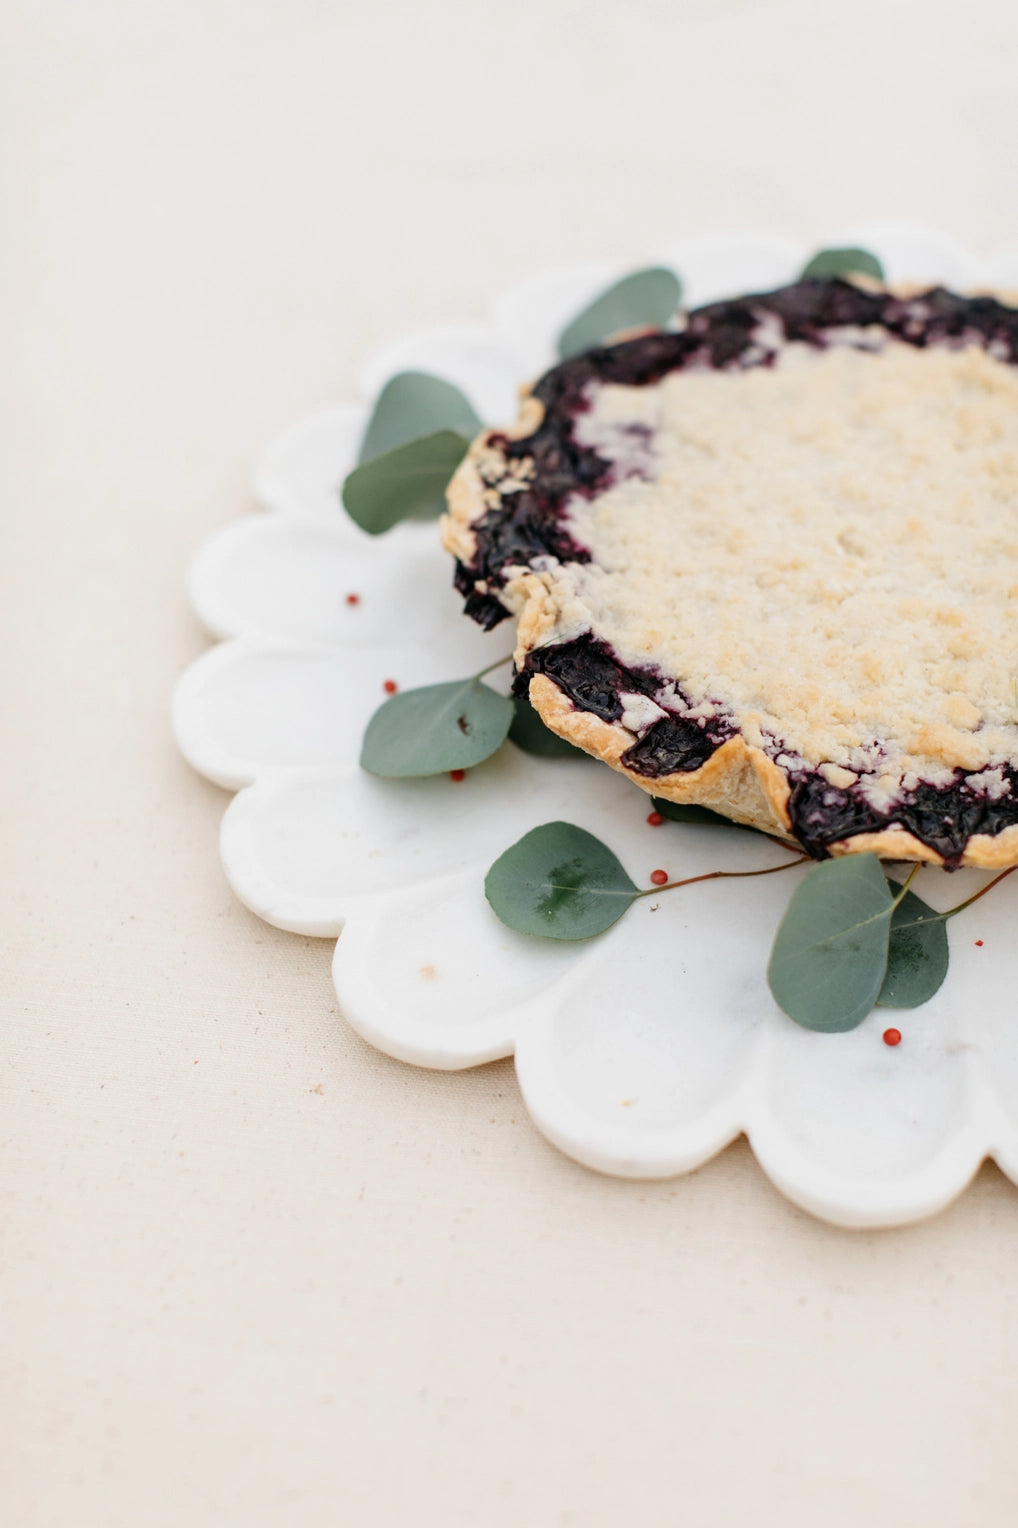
<point x="640" y="1053"/>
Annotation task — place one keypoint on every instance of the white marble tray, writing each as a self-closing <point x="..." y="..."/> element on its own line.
<point x="643" y="1052"/>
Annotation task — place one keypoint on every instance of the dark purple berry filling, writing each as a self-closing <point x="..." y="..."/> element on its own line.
<point x="588" y="671"/>
<point x="590" y="674"/>
<point x="944" y="817"/>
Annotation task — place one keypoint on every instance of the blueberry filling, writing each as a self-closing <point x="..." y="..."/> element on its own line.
<point x="672" y="744"/>
<point x="589" y="673"/>
<point x="529" y="523"/>
<point x="942" y="817"/>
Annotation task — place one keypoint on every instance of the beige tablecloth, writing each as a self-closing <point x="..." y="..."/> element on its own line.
<point x="256" y="1274"/>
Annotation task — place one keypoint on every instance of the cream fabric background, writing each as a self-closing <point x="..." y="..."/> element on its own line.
<point x="254" y="1273"/>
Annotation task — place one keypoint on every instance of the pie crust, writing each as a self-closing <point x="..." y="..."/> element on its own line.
<point x="767" y="563"/>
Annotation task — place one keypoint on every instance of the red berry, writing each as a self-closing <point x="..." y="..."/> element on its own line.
<point x="979" y="942"/>
<point x="457" y="774"/>
<point x="390" y="687"/>
<point x="353" y="599"/>
<point x="655" y="819"/>
<point x="659" y="877"/>
<point x="892" y="1036"/>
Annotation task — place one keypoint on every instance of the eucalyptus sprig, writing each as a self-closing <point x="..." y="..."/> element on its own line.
<point x="849" y="940"/>
<point x="411" y="405"/>
<point x="643" y="299"/>
<point x="844" y="262"/>
<point x="561" y="882"/>
<point x="440" y="727"/>
<point x="830" y="955"/>
<point x="436" y="728"/>
<point x="419" y="432"/>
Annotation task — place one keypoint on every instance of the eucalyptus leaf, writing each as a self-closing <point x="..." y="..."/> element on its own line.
<point x="829" y="958"/>
<point x="917" y="955"/>
<point x="436" y="728"/>
<point x="529" y="732"/>
<point x="844" y="262"/>
<point x="685" y="811"/>
<point x="409" y="480"/>
<point x="560" y="882"/>
<point x="413" y="404"/>
<point x="649" y="297"/>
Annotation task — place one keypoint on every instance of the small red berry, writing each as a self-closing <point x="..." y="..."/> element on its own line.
<point x="892" y="1036"/>
<point x="979" y="942"/>
<point x="457" y="774"/>
<point x="353" y="599"/>
<point x="659" y="877"/>
<point x="655" y="819"/>
<point x="390" y="687"/>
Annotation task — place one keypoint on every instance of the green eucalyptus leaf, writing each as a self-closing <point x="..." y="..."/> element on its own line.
<point x="829" y="958"/>
<point x="648" y="297"/>
<point x="413" y="404"/>
<point x="560" y="882"/>
<point x="917" y="955"/>
<point x="436" y="728"/>
<point x="844" y="262"/>
<point x="684" y="811"/>
<point x="409" y="480"/>
<point x="529" y="732"/>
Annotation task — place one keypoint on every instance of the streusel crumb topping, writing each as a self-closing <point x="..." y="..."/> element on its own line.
<point x="826" y="547"/>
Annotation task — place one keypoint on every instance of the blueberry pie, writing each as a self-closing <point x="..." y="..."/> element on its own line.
<point x="768" y="563"/>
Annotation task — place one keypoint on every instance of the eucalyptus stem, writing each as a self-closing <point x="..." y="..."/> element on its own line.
<point x="718" y="875"/>
<point x="497" y="664"/>
<point x="951" y="911"/>
<point x="975" y="897"/>
<point x="906" y="883"/>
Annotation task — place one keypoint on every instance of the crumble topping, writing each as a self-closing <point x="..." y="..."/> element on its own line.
<point x="826" y="547"/>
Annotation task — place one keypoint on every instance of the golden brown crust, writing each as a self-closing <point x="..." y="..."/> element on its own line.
<point x="890" y="844"/>
<point x="465" y="494"/>
<point x="982" y="852"/>
<point x="738" y="781"/>
<point x="742" y="783"/>
<point x="537" y="616"/>
<point x="465" y="498"/>
<point x="998" y="852"/>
